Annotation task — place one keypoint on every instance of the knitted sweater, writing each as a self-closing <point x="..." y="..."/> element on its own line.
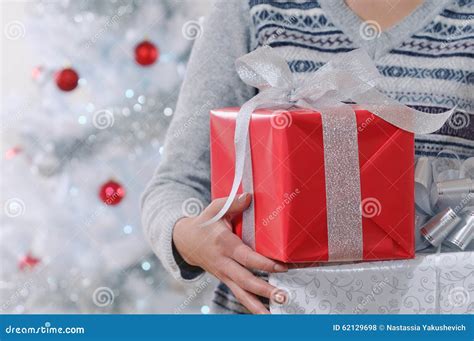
<point x="426" y="60"/>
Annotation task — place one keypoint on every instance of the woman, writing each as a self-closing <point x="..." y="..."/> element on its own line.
<point x="423" y="48"/>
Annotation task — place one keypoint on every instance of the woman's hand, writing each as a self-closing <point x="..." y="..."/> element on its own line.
<point x="216" y="249"/>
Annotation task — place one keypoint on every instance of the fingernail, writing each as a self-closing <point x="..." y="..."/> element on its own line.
<point x="280" y="268"/>
<point x="280" y="297"/>
<point x="242" y="197"/>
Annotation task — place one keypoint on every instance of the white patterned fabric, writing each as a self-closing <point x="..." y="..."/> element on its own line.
<point x="430" y="284"/>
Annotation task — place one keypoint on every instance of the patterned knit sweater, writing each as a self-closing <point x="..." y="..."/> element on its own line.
<point x="426" y="60"/>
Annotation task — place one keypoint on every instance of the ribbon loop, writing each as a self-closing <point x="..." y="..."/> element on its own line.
<point x="263" y="68"/>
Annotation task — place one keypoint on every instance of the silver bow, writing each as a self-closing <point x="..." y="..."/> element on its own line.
<point x="350" y="76"/>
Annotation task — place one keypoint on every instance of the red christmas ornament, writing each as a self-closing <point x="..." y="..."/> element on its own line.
<point x="37" y="72"/>
<point x="146" y="53"/>
<point x="12" y="152"/>
<point x="67" y="79"/>
<point x="111" y="193"/>
<point x="28" y="262"/>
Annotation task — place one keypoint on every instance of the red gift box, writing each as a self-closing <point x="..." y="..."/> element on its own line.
<point x="289" y="183"/>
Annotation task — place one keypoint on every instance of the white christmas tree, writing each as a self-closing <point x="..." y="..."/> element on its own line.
<point x="76" y="160"/>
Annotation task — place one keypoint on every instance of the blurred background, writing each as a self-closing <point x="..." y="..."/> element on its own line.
<point x="88" y="89"/>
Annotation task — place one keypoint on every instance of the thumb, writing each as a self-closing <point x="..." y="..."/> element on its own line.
<point x="239" y="204"/>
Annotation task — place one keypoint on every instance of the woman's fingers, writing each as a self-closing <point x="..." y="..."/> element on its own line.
<point x="303" y="265"/>
<point x="248" y="300"/>
<point x="253" y="260"/>
<point x="240" y="203"/>
<point x="230" y="258"/>
<point x="248" y="281"/>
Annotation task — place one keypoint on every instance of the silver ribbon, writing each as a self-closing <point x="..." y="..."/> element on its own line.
<point x="444" y="190"/>
<point x="440" y="226"/>
<point x="464" y="233"/>
<point x="350" y="76"/>
<point x="449" y="193"/>
<point x="423" y="181"/>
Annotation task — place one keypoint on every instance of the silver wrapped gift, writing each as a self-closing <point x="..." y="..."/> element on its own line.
<point x="429" y="284"/>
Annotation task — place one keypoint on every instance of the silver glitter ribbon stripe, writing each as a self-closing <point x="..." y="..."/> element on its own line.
<point x="341" y="164"/>
<point x="350" y="75"/>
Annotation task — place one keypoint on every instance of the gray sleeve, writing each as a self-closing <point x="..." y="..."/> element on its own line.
<point x="182" y="181"/>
